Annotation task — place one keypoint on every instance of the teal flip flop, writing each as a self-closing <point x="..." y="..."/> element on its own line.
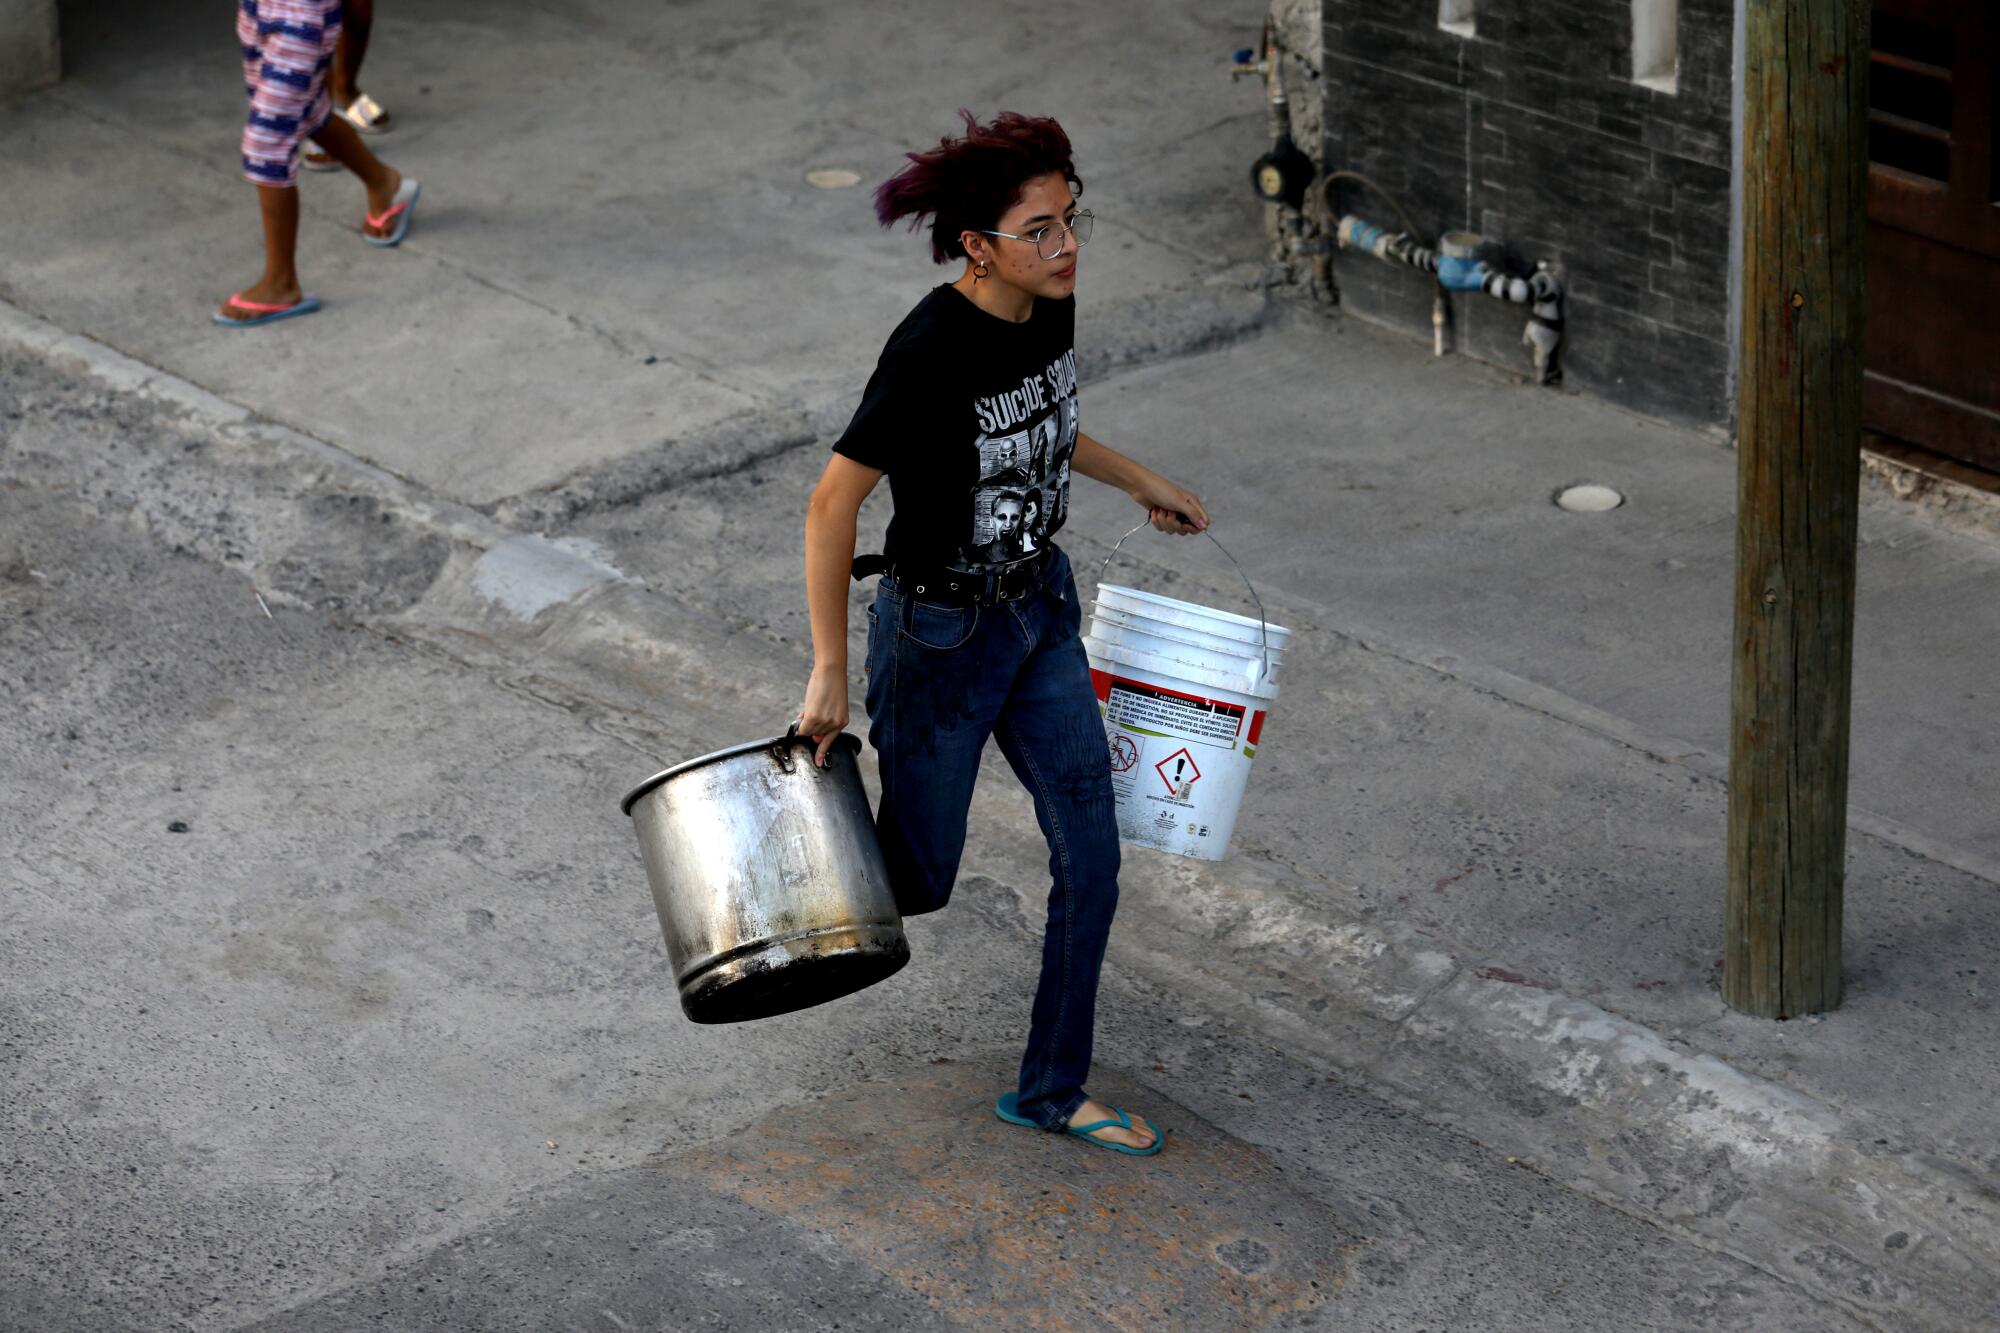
<point x="266" y="314"/>
<point x="1007" y="1108"/>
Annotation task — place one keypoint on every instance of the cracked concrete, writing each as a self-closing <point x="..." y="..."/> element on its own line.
<point x="334" y="998"/>
<point x="1478" y="880"/>
<point x="653" y="265"/>
<point x="1334" y="971"/>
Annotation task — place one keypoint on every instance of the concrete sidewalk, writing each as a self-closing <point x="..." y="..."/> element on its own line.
<point x="615" y="211"/>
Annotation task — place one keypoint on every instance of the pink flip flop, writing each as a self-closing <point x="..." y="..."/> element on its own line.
<point x="400" y="207"/>
<point x="267" y="314"/>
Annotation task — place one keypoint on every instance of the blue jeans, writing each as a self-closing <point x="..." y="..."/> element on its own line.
<point x="940" y="680"/>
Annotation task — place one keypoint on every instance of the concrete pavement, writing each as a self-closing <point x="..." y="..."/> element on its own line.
<point x="1804" y="1175"/>
<point x="615" y="206"/>
<point x="333" y="999"/>
<point x="1479" y="878"/>
<point x="1490" y="834"/>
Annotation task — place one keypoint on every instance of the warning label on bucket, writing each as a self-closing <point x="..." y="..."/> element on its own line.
<point x="1125" y="752"/>
<point x="1148" y="708"/>
<point x="1179" y="760"/>
<point x="1178" y="771"/>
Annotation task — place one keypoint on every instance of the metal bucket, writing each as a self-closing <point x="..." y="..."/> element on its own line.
<point x="768" y="879"/>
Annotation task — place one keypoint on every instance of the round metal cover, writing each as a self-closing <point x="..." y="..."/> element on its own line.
<point x="1588" y="499"/>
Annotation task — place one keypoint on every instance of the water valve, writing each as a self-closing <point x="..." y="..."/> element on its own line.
<point x="1282" y="175"/>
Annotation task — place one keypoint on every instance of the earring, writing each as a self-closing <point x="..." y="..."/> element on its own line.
<point x="978" y="270"/>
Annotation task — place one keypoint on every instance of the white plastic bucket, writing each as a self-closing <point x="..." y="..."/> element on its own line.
<point x="1202" y="625"/>
<point x="1184" y="691"/>
<point x="1190" y="645"/>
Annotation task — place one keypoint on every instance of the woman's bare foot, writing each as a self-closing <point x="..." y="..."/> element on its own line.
<point x="381" y="198"/>
<point x="268" y="291"/>
<point x="1141" y="1135"/>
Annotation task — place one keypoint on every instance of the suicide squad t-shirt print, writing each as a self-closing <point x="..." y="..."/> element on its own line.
<point x="974" y="419"/>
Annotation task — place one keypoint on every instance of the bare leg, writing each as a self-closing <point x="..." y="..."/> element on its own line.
<point x="344" y="145"/>
<point x="343" y="81"/>
<point x="279" y="205"/>
<point x="343" y="76"/>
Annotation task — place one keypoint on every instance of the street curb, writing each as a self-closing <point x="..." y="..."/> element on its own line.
<point x="1608" y="1107"/>
<point x="1150" y="329"/>
<point x="233" y="423"/>
<point x="1618" y="1111"/>
<point x="1615" y="1110"/>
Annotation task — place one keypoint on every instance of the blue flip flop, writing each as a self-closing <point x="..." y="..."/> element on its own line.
<point x="402" y="207"/>
<point x="267" y="314"/>
<point x="1007" y="1108"/>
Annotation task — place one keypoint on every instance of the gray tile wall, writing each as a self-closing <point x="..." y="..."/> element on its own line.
<point x="1625" y="189"/>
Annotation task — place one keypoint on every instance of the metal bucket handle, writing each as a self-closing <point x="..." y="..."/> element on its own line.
<point x="782" y="751"/>
<point x="1263" y="625"/>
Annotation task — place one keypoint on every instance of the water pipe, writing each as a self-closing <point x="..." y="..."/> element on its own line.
<point x="1334" y="178"/>
<point x="1456" y="266"/>
<point x="1284" y="174"/>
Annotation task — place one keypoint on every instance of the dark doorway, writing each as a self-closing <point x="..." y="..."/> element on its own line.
<point x="1933" y="356"/>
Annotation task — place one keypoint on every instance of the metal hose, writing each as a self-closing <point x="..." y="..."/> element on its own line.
<point x="1409" y="227"/>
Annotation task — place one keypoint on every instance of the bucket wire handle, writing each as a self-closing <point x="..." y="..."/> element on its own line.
<point x="1263" y="625"/>
<point x="782" y="751"/>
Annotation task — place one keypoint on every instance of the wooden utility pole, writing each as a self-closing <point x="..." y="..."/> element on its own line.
<point x="1805" y="183"/>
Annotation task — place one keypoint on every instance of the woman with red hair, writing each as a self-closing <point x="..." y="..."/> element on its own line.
<point x="975" y="628"/>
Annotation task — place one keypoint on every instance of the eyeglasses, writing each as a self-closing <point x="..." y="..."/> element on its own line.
<point x="1048" y="240"/>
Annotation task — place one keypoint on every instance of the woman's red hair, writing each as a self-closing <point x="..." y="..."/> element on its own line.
<point x="967" y="183"/>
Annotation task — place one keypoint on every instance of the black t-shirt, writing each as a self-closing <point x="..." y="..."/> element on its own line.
<point x="974" y="419"/>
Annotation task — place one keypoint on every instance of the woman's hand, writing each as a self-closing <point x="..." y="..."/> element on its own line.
<point x="824" y="714"/>
<point x="1174" y="509"/>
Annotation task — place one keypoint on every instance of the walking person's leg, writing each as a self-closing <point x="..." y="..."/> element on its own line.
<point x="278" y="287"/>
<point x="286" y="45"/>
<point x="937" y="678"/>
<point x="382" y="181"/>
<point x="1053" y="737"/>
<point x="939" y="682"/>
<point x="343" y="84"/>
<point x="344" y="79"/>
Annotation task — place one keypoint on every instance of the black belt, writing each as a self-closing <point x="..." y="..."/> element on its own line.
<point x="959" y="587"/>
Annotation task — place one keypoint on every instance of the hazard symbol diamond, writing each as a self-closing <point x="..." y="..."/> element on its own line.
<point x="1178" y="771"/>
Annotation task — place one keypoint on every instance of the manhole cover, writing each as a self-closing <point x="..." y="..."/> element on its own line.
<point x="833" y="178"/>
<point x="1588" y="499"/>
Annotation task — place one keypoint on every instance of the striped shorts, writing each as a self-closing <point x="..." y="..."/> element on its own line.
<point x="287" y="48"/>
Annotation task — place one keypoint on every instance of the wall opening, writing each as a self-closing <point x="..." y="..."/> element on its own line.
<point x="1656" y="46"/>
<point x="1910" y="97"/>
<point x="1455" y="17"/>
